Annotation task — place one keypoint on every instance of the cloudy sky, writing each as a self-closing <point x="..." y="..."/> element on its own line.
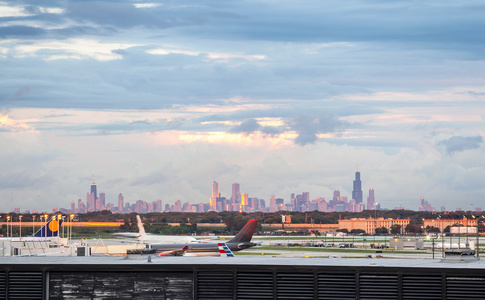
<point x="157" y="99"/>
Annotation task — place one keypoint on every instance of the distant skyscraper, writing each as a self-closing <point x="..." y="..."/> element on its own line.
<point x="336" y="195"/>
<point x="215" y="195"/>
<point x="371" y="200"/>
<point x="120" y="203"/>
<point x="94" y="194"/>
<point x="90" y="203"/>
<point x="102" y="200"/>
<point x="244" y="201"/>
<point x="272" y="202"/>
<point x="215" y="189"/>
<point x="158" y="205"/>
<point x="425" y="206"/>
<point x="306" y="196"/>
<point x="236" y="194"/>
<point x="357" y="192"/>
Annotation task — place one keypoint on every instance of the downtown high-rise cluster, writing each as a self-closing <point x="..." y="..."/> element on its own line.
<point x="238" y="201"/>
<point x="300" y="202"/>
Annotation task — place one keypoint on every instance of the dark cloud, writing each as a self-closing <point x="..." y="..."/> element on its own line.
<point x="121" y="15"/>
<point x="251" y="125"/>
<point x="247" y="126"/>
<point x="409" y="23"/>
<point x="20" y="31"/>
<point x="308" y="126"/>
<point x="270" y="130"/>
<point x="462" y="143"/>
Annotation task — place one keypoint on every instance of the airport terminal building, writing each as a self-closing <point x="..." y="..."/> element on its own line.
<point x="250" y="277"/>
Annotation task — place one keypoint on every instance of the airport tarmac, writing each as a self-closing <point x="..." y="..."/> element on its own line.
<point x="267" y="250"/>
<point x="347" y="253"/>
<point x="362" y="250"/>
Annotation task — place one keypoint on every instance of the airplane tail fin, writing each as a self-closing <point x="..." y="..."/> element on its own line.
<point x="224" y="251"/>
<point x="141" y="229"/>
<point x="246" y="233"/>
<point x="50" y="229"/>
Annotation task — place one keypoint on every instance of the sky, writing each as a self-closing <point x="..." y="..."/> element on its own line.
<point x="155" y="100"/>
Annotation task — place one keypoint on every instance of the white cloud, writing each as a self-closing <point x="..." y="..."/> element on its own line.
<point x="146" y="5"/>
<point x="74" y="49"/>
<point x="210" y="55"/>
<point x="12" y="11"/>
<point x="20" y="10"/>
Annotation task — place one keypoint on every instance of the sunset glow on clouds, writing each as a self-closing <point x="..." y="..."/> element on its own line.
<point x="156" y="97"/>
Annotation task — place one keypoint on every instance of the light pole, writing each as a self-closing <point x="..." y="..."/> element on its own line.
<point x="433" y="237"/>
<point x="59" y="218"/>
<point x="46" y="221"/>
<point x="33" y="219"/>
<point x="20" y="218"/>
<point x="8" y="219"/>
<point x="71" y="217"/>
<point x="41" y="222"/>
<point x="63" y="227"/>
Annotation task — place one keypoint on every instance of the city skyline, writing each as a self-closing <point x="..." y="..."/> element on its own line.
<point x="238" y="201"/>
<point x="158" y="98"/>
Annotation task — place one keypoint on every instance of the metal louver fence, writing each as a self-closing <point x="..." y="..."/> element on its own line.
<point x="3" y="285"/>
<point x="336" y="286"/>
<point x="378" y="287"/>
<point x="25" y="285"/>
<point x="458" y="288"/>
<point x="215" y="285"/>
<point x="254" y="286"/>
<point x="422" y="287"/>
<point x="294" y="286"/>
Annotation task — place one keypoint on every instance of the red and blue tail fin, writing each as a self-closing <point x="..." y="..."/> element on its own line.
<point x="224" y="250"/>
<point x="51" y="229"/>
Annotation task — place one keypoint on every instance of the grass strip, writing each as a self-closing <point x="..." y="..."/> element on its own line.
<point x="348" y="250"/>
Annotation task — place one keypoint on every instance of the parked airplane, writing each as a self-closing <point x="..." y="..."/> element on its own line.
<point x="153" y="238"/>
<point x="241" y="241"/>
<point x="224" y="251"/>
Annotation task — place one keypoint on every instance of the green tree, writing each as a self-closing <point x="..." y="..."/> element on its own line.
<point x="396" y="229"/>
<point x="412" y="228"/>
<point x="432" y="229"/>
<point x="382" y="230"/>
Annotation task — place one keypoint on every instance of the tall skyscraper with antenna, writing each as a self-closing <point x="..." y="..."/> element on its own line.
<point x="357" y="192"/>
<point x="94" y="194"/>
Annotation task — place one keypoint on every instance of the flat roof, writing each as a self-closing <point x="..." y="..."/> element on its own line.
<point x="190" y="262"/>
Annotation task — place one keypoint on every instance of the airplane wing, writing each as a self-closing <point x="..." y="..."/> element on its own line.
<point x="178" y="252"/>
